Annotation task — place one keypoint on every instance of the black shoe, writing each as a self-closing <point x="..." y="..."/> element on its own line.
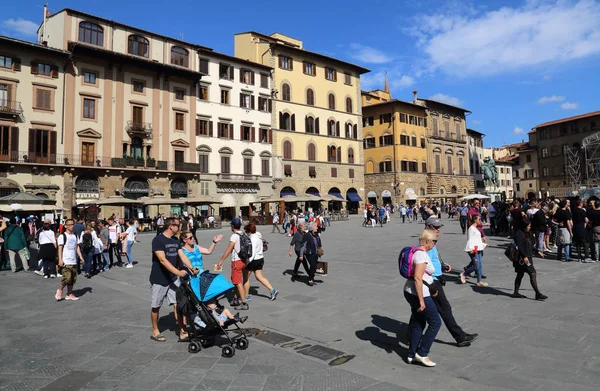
<point x="541" y="297"/>
<point x="240" y="319"/>
<point x="483" y="276"/>
<point x="467" y="339"/>
<point x="517" y="296"/>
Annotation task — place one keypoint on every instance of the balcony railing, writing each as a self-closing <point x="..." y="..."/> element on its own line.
<point x="143" y="128"/>
<point x="237" y="178"/>
<point x="71" y="160"/>
<point x="461" y="138"/>
<point x="10" y="107"/>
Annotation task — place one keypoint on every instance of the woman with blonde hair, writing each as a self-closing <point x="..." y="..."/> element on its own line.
<point x="418" y="292"/>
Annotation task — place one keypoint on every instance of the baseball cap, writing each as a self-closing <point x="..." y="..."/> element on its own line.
<point x="236" y="222"/>
<point x="434" y="222"/>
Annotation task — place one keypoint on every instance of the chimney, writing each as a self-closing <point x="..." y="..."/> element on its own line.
<point x="415" y="96"/>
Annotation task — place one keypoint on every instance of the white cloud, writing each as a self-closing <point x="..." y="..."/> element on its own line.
<point x="509" y="39"/>
<point x="20" y="26"/>
<point x="376" y="80"/>
<point x="476" y="122"/>
<point x="569" y="106"/>
<point x="446" y="99"/>
<point x="517" y="130"/>
<point x="553" y="98"/>
<point x="368" y="55"/>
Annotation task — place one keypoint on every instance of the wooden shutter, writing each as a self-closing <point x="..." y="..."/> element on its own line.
<point x="241" y="100"/>
<point x="252" y="102"/>
<point x="34" y="68"/>
<point x="252" y="136"/>
<point x="334" y="172"/>
<point x="270" y="105"/>
<point x="293" y="121"/>
<point x="204" y="66"/>
<point x="198" y="127"/>
<point x="339" y="154"/>
<point x="14" y="144"/>
<point x="280" y="120"/>
<point x="52" y="155"/>
<point x="317" y="125"/>
<point x="31" y="147"/>
<point x="252" y="78"/>
<point x="355" y="132"/>
<point x="242" y="75"/>
<point x="17" y="64"/>
<point x="241" y="132"/>
<point x="280" y="61"/>
<point x="337" y="129"/>
<point x="231" y="72"/>
<point x="54" y="71"/>
<point x="303" y="67"/>
<point x="210" y="128"/>
<point x="231" y="131"/>
<point x="291" y="61"/>
<point x="351" y="173"/>
<point x="270" y="136"/>
<point x="306" y="124"/>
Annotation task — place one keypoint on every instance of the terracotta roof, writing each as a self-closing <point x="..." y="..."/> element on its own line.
<point x="559" y="121"/>
<point x="394" y="101"/>
<point x="6" y="39"/>
<point x="444" y="104"/>
<point x="508" y="159"/>
<point x="516" y="145"/>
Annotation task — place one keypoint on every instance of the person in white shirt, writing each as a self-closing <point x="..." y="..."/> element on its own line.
<point x="114" y="232"/>
<point x="276" y="223"/>
<point x="256" y="263"/>
<point x="68" y="252"/>
<point x="474" y="247"/>
<point x="47" y="252"/>
<point x="131" y="235"/>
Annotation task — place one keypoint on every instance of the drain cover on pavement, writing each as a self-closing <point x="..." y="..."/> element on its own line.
<point x="274" y="338"/>
<point x="321" y="352"/>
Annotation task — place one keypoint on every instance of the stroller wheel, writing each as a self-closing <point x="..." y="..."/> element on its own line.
<point x="228" y="351"/>
<point x="194" y="347"/>
<point x="242" y="344"/>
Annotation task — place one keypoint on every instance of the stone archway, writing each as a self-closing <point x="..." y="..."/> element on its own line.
<point x="179" y="188"/>
<point x="287" y="191"/>
<point x="136" y="187"/>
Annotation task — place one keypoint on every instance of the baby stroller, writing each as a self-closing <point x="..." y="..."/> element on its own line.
<point x="192" y="296"/>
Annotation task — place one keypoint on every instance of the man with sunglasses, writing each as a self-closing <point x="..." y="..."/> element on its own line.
<point x="164" y="275"/>
<point x="441" y="301"/>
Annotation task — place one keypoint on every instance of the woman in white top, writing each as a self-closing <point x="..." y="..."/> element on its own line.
<point x="423" y="308"/>
<point x="256" y="263"/>
<point x="131" y="235"/>
<point x="47" y="252"/>
<point x="474" y="248"/>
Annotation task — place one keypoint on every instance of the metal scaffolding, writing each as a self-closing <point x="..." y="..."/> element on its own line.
<point x="573" y="168"/>
<point x="591" y="146"/>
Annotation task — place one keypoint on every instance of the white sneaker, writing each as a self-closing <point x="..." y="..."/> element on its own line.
<point x="39" y="272"/>
<point x="52" y="275"/>
<point x="58" y="275"/>
<point x="129" y="266"/>
<point x="45" y="276"/>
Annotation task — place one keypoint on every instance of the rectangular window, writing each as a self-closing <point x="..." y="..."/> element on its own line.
<point x="138" y="114"/>
<point x="385" y="166"/>
<point x="263" y="104"/>
<point x="179" y="121"/>
<point x="387" y="140"/>
<point x="403" y="118"/>
<point x="447" y="128"/>
<point x="202" y="127"/>
<point x="44" y="69"/>
<point x="89" y="108"/>
<point x="423" y="167"/>
<point x="369" y="143"/>
<point x="264" y="167"/>
<point x="404" y="139"/>
<point x="368" y="121"/>
<point x="435" y="126"/>
<point x="347" y="79"/>
<point x="225" y="97"/>
<point x="264" y="80"/>
<point x="351" y="173"/>
<point x="89" y="77"/>
<point x="563" y="131"/>
<point x="42" y="146"/>
<point x="223" y="130"/>
<point x="287" y="169"/>
<point x="204" y="66"/>
<point x="412" y="120"/>
<point x="457" y="129"/>
<point x="88" y="155"/>
<point x="43" y="99"/>
<point x="179" y="94"/>
<point x="203" y="161"/>
<point x="334" y="172"/>
<point x="385" y="118"/>
<point x="247" y="76"/>
<point x="420" y="121"/>
<point x="286" y="62"/>
<point x="202" y="92"/>
<point x="312" y="171"/>
<point x="6" y="62"/>
<point x="528" y="158"/>
<point x="247" y="166"/>
<point x="225" y="72"/>
<point x="246" y="133"/>
<point x="263" y="135"/>
<point x="423" y="142"/>
<point x="245" y="101"/>
<point x="179" y="160"/>
<point x="330" y="74"/>
<point x="225" y="169"/>
<point x="309" y="68"/>
<point x="138" y="86"/>
<point x="204" y="188"/>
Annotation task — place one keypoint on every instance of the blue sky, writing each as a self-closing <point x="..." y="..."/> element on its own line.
<point x="514" y="64"/>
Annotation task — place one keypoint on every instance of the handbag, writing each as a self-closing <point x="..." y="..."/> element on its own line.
<point x="320" y="252"/>
<point x="512" y="253"/>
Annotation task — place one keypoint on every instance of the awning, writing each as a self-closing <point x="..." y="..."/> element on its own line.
<point x="386" y="193"/>
<point x="411" y="196"/>
<point x="316" y="193"/>
<point x="353" y="197"/>
<point x="372" y="194"/>
<point x="337" y="195"/>
<point x="287" y="194"/>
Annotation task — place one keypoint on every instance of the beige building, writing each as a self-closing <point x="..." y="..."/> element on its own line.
<point x="525" y="168"/>
<point x="32" y="130"/>
<point x="316" y="117"/>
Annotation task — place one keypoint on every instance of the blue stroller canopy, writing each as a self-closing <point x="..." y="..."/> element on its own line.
<point x="208" y="285"/>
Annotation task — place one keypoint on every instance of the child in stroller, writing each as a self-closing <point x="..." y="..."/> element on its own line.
<point x="205" y="318"/>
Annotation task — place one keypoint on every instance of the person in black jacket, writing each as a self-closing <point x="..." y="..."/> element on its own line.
<point x="538" y="226"/>
<point x="308" y="251"/>
<point x="525" y="263"/>
<point x="296" y="246"/>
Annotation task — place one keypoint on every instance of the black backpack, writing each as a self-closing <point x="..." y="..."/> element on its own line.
<point x="87" y="242"/>
<point x="245" y="252"/>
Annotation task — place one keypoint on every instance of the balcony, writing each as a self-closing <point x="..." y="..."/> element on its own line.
<point x="136" y="128"/>
<point x="458" y="138"/>
<point x="237" y="178"/>
<point x="10" y="108"/>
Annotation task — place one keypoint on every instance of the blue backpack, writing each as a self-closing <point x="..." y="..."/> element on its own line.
<point x="405" y="261"/>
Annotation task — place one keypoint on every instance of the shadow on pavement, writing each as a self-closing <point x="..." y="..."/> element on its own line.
<point x="81" y="292"/>
<point x="167" y="322"/>
<point x="379" y="337"/>
<point x="488" y="290"/>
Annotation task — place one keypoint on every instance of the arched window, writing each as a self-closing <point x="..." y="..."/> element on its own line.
<point x="91" y="33"/>
<point x="331" y="100"/>
<point x="454" y="190"/>
<point x="287" y="149"/>
<point x="339" y="154"/>
<point x="138" y="45"/>
<point x="285" y="92"/>
<point x="442" y="190"/>
<point x="332" y="154"/>
<point x="348" y="105"/>
<point x="310" y="97"/>
<point x="312" y="152"/>
<point x="285" y="122"/>
<point x="351" y="155"/>
<point x="179" y="56"/>
<point x="331" y="128"/>
<point x="422" y="191"/>
<point x="310" y="125"/>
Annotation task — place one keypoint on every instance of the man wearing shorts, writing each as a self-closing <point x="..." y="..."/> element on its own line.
<point x="237" y="265"/>
<point x="68" y="254"/>
<point x="164" y="275"/>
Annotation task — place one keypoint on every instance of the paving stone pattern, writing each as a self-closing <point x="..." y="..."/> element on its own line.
<point x="358" y="311"/>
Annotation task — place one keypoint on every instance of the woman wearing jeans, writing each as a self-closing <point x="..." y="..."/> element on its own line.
<point x="131" y="235"/>
<point x="423" y="309"/>
<point x="474" y="247"/>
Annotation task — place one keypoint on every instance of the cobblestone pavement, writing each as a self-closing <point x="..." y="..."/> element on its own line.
<point x="357" y="313"/>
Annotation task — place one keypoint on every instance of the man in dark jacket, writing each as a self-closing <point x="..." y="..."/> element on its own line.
<point x="538" y="226"/>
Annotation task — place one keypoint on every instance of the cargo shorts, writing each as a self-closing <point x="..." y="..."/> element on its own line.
<point x="69" y="275"/>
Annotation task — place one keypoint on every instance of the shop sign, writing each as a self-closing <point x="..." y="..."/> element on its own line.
<point x="239" y="190"/>
<point x="87" y="195"/>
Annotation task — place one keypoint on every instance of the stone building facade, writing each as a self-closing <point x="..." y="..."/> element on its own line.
<point x="476" y="155"/>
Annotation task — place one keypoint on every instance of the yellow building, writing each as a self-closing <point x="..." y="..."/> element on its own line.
<point x="316" y="118"/>
<point x="395" y="149"/>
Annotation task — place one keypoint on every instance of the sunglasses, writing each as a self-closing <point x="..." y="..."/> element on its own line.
<point x="68" y="225"/>
<point x="190" y="238"/>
